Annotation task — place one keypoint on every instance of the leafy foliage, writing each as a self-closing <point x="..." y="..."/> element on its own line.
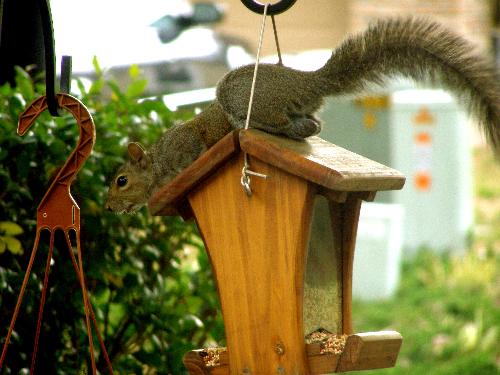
<point x="8" y="241"/>
<point x="148" y="277"/>
<point x="449" y="322"/>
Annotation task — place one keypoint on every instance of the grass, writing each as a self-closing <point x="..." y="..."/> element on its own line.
<point x="448" y="308"/>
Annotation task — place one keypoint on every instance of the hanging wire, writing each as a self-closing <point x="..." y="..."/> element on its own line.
<point x="256" y="68"/>
<point x="278" y="49"/>
<point x="246" y="172"/>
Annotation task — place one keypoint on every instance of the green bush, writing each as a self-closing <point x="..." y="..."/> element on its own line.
<point x="150" y="284"/>
<point x="446" y="308"/>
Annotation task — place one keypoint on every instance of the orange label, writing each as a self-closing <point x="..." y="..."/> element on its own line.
<point x="373" y="102"/>
<point x="424" y="117"/>
<point x="369" y="120"/>
<point x="423" y="181"/>
<point x="423" y="138"/>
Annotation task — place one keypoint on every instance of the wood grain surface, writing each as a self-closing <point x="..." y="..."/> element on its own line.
<point x="372" y="350"/>
<point x="331" y="167"/>
<point x="257" y="246"/>
<point x="363" y="351"/>
<point x="321" y="162"/>
<point x="168" y="200"/>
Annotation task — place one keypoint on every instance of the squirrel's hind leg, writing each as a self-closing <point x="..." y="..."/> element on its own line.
<point x="295" y="127"/>
<point x="302" y="127"/>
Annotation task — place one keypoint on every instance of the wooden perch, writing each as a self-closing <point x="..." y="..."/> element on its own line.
<point x="363" y="351"/>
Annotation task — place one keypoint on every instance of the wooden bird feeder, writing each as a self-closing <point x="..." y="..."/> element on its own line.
<point x="281" y="271"/>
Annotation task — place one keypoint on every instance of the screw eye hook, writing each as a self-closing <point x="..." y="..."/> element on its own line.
<point x="245" y="182"/>
<point x="245" y="177"/>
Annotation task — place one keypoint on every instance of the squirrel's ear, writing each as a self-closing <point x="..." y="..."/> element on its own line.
<point x="138" y="154"/>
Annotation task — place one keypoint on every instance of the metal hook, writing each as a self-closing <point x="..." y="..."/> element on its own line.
<point x="245" y="182"/>
<point x="245" y="176"/>
<point x="273" y="9"/>
<point x="58" y="208"/>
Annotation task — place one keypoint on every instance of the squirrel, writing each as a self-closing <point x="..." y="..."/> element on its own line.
<point x="286" y="100"/>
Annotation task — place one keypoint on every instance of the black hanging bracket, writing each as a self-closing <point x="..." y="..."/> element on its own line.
<point x="273" y="9"/>
<point x="65" y="81"/>
<point x="50" y="61"/>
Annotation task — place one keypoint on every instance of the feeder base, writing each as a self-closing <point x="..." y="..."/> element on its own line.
<point x="361" y="351"/>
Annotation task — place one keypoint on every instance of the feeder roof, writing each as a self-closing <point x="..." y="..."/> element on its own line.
<point x="314" y="159"/>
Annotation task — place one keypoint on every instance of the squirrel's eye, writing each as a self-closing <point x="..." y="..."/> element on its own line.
<point x="121" y="181"/>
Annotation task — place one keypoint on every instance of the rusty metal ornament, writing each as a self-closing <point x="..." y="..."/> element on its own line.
<point x="59" y="211"/>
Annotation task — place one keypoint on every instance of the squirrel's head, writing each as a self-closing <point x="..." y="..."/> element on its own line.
<point x="130" y="188"/>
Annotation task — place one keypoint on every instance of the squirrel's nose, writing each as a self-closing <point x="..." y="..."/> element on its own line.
<point x="107" y="206"/>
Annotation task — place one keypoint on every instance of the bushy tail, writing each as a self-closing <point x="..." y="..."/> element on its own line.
<point x="424" y="51"/>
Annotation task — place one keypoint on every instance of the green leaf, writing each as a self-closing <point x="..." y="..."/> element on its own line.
<point x="96" y="65"/>
<point x="10" y="228"/>
<point x="96" y="87"/>
<point x="117" y="93"/>
<point x="14" y="245"/>
<point x="3" y="245"/>
<point x="5" y="90"/>
<point x="136" y="88"/>
<point x="24" y="84"/>
<point x="134" y="71"/>
<point x="81" y="86"/>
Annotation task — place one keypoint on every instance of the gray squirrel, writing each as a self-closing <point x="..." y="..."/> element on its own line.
<point x="286" y="99"/>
